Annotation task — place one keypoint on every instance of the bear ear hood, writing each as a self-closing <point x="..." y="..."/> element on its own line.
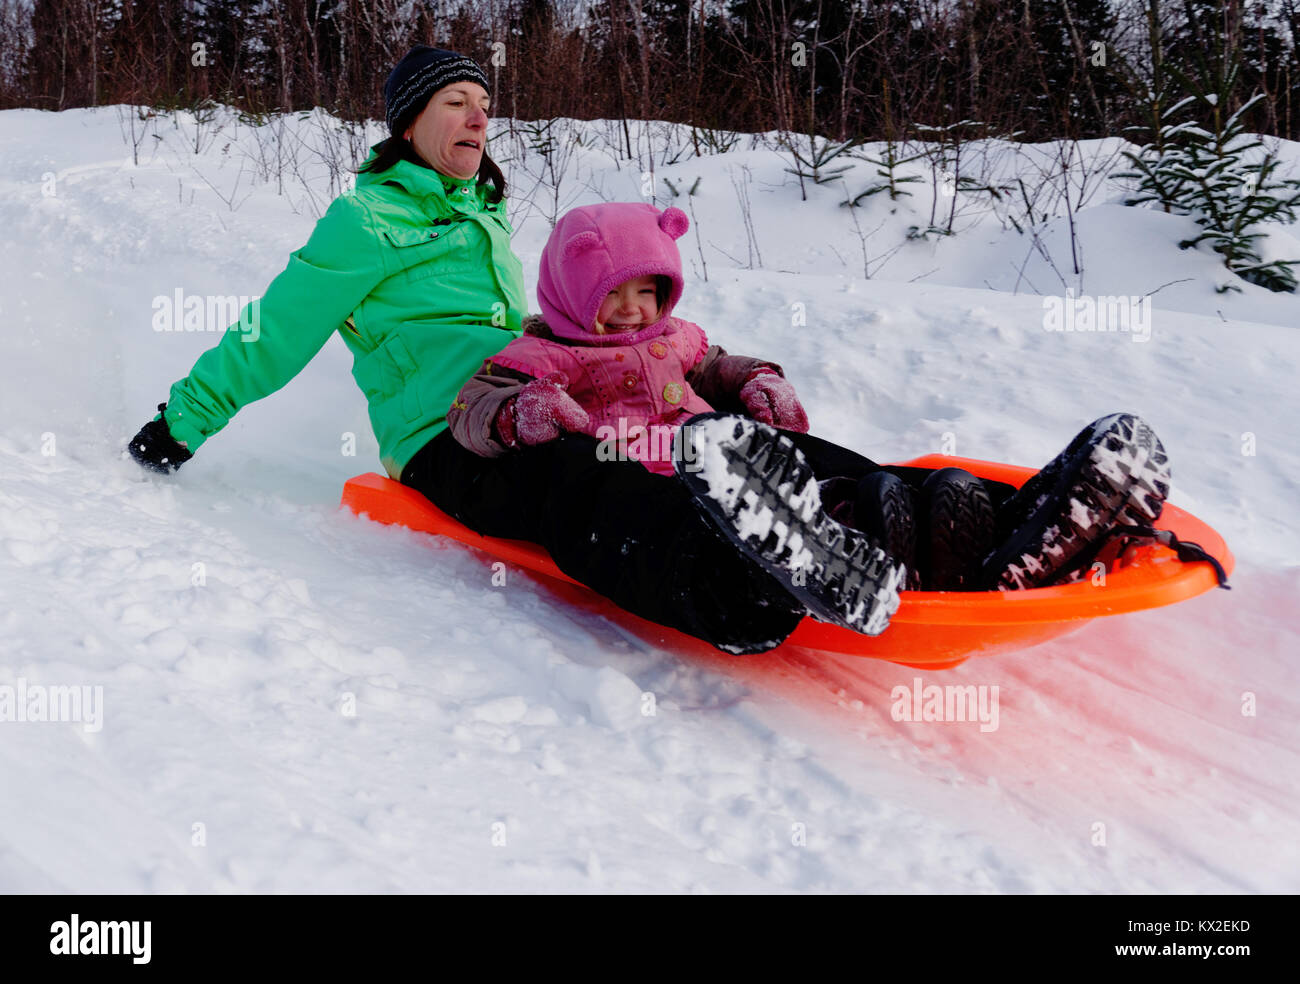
<point x="583" y="242"/>
<point x="592" y="250"/>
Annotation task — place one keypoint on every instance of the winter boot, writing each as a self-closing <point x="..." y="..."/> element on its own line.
<point x="882" y="506"/>
<point x="958" y="530"/>
<point x="755" y="486"/>
<point x="1115" y="471"/>
<point x="837" y="498"/>
<point x="884" y="509"/>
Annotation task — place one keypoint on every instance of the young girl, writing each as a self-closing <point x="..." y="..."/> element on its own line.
<point x="609" y="360"/>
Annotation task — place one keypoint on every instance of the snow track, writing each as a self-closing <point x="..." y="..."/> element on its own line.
<point x="324" y="704"/>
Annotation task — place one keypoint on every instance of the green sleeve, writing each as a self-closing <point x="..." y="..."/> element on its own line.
<point x="278" y="335"/>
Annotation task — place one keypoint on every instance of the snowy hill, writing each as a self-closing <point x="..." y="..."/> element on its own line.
<point x="233" y="615"/>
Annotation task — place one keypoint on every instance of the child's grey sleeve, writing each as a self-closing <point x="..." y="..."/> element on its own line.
<point x="476" y="406"/>
<point x="718" y="376"/>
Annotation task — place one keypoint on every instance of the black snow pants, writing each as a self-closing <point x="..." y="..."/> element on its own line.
<point x="631" y="535"/>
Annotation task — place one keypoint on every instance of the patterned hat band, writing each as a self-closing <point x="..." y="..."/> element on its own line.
<point x="412" y="89"/>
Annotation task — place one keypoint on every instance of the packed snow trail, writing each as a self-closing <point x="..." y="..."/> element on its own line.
<point x="296" y="699"/>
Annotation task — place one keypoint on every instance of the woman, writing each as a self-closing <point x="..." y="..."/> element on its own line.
<point x="414" y="269"/>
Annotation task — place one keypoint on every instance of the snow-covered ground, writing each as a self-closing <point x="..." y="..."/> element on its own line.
<point x="295" y="699"/>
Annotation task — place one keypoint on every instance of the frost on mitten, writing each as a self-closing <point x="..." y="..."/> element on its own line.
<point x="543" y="410"/>
<point x="771" y="399"/>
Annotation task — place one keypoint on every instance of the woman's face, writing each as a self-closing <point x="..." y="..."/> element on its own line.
<point x="451" y="131"/>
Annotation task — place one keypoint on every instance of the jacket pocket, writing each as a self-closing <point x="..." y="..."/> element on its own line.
<point x="387" y="377"/>
<point x="433" y="251"/>
<point x="407" y="372"/>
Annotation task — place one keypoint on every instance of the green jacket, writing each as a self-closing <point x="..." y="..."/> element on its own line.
<point x="414" y="270"/>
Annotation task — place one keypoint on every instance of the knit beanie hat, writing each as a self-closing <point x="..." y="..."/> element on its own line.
<point x="422" y="72"/>
<point x="592" y="250"/>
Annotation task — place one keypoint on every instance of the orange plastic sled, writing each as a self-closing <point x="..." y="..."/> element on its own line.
<point x="931" y="629"/>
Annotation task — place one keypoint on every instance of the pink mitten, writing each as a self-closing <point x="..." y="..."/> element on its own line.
<point x="540" y="413"/>
<point x="770" y="398"/>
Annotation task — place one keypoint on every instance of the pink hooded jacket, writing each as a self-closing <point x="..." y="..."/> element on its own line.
<point x="637" y="387"/>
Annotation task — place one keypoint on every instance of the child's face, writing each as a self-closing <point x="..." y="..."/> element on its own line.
<point x="629" y="306"/>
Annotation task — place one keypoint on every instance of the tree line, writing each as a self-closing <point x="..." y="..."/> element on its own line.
<point x="1026" y="69"/>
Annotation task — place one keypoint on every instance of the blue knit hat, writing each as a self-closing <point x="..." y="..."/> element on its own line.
<point x="422" y="72"/>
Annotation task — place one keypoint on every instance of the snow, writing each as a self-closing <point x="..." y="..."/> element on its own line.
<point x="298" y="699"/>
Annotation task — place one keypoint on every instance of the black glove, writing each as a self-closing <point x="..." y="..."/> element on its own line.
<point x="156" y="449"/>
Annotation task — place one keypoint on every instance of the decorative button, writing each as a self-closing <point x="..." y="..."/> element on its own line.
<point x="658" y="349"/>
<point x="620" y="356"/>
<point x="629" y="381"/>
<point x="673" y="393"/>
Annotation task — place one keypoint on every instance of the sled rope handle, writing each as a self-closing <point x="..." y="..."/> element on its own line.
<point x="1186" y="551"/>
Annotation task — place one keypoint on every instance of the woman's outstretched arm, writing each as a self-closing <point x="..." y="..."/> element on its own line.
<point x="277" y="336"/>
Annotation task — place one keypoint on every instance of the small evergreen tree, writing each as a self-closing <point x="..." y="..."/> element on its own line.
<point x="1230" y="186"/>
<point x="891" y="158"/>
<point x="887" y="165"/>
<point x="1205" y="164"/>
